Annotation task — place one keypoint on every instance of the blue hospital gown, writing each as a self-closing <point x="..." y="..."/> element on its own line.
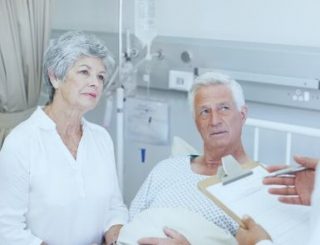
<point x="171" y="184"/>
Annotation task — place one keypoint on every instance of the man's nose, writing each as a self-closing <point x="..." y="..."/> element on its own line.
<point x="215" y="118"/>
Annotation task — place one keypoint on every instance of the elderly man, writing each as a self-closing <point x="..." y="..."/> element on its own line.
<point x="220" y="112"/>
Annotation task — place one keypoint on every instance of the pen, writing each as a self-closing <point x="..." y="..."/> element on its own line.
<point x="286" y="171"/>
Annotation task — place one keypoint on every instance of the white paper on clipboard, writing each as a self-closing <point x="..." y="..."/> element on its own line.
<point x="287" y="224"/>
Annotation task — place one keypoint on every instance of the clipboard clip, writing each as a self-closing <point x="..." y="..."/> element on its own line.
<point x="231" y="170"/>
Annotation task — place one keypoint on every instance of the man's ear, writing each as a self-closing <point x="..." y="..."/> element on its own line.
<point x="244" y="113"/>
<point x="54" y="80"/>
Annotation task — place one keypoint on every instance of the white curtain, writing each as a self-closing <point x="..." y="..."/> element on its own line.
<point x="24" y="33"/>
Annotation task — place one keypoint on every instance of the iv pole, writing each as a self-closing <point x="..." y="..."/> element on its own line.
<point x="120" y="96"/>
<point x="119" y="105"/>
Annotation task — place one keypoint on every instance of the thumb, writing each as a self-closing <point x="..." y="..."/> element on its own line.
<point x="170" y="232"/>
<point x="248" y="222"/>
<point x="307" y="161"/>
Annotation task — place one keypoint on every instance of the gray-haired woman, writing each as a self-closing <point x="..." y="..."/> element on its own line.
<point x="58" y="183"/>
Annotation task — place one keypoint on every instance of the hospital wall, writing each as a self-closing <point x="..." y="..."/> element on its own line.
<point x="291" y="22"/>
<point x="245" y="21"/>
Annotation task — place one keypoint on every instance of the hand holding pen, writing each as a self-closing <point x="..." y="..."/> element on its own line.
<point x="296" y="184"/>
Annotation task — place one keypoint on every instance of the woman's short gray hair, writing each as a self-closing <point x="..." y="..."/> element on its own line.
<point x="213" y="78"/>
<point x="63" y="52"/>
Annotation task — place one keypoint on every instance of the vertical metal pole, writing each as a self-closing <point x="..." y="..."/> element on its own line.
<point x="256" y="144"/>
<point x="120" y="98"/>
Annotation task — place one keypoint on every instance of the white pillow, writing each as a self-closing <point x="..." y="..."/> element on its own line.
<point x="181" y="147"/>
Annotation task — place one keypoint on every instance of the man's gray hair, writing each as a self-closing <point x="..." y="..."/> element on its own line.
<point x="63" y="52"/>
<point x="213" y="78"/>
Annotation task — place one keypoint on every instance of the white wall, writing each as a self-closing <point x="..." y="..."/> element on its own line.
<point x="92" y="15"/>
<point x="268" y="21"/>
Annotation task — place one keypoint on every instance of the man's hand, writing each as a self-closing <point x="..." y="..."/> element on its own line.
<point x="298" y="187"/>
<point x="112" y="234"/>
<point x="173" y="238"/>
<point x="252" y="234"/>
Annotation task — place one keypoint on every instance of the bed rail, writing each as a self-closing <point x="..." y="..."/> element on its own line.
<point x="288" y="129"/>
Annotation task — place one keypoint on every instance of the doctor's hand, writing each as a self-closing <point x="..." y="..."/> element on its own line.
<point x="173" y="238"/>
<point x="252" y="234"/>
<point x="297" y="188"/>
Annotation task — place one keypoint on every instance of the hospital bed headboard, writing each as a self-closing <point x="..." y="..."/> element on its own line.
<point x="288" y="129"/>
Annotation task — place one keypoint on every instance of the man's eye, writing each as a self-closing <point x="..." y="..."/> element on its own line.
<point x="224" y="108"/>
<point x="204" y="112"/>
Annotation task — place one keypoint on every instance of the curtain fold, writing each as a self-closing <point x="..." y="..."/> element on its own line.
<point x="24" y="31"/>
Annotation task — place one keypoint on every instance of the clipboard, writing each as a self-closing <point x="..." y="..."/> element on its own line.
<point x="229" y="172"/>
<point x="286" y="224"/>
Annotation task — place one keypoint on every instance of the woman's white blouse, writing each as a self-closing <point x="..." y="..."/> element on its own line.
<point x="47" y="195"/>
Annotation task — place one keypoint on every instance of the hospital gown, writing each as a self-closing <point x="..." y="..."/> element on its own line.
<point x="172" y="183"/>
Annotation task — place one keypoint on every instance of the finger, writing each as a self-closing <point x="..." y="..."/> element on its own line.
<point x="285" y="191"/>
<point x="275" y="168"/>
<point x="248" y="221"/>
<point x="290" y="200"/>
<point x="148" y="241"/>
<point x="306" y="161"/>
<point x="279" y="180"/>
<point x="171" y="232"/>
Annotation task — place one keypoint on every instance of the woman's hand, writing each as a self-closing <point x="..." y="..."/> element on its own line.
<point x="297" y="188"/>
<point x="112" y="234"/>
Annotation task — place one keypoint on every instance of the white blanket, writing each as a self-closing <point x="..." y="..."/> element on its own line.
<point x="193" y="226"/>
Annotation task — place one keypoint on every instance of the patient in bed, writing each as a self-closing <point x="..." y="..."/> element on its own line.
<point x="219" y="111"/>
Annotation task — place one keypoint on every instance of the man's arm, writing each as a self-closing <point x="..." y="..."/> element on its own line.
<point x="297" y="188"/>
<point x="143" y="197"/>
<point x="173" y="238"/>
<point x="254" y="234"/>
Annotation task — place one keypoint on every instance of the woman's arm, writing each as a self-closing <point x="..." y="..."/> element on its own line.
<point x="14" y="193"/>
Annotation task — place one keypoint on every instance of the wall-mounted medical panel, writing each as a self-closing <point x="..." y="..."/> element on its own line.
<point x="276" y="74"/>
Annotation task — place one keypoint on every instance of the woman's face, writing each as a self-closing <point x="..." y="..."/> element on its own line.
<point x="83" y="84"/>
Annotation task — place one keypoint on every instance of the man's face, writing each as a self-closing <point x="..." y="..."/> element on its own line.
<point x="217" y="117"/>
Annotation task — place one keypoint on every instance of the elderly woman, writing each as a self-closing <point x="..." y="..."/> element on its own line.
<point x="58" y="183"/>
